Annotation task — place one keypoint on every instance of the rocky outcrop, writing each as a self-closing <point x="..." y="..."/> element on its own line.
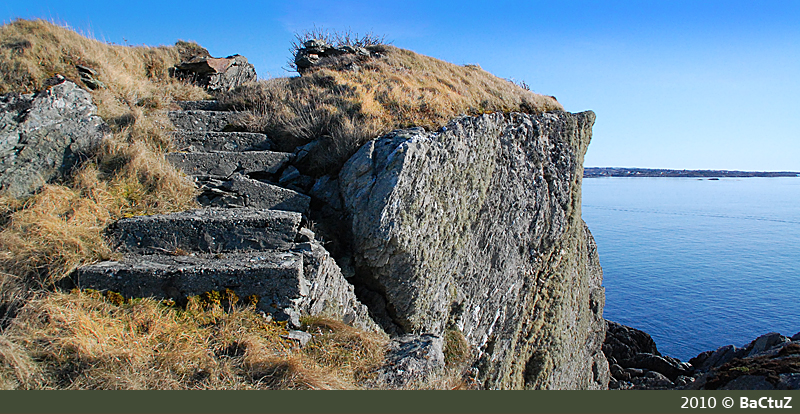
<point x="411" y="360"/>
<point x="770" y="362"/>
<point x="44" y="136"/>
<point x="477" y="227"/>
<point x="316" y="52"/>
<point x="216" y="74"/>
<point x="635" y="362"/>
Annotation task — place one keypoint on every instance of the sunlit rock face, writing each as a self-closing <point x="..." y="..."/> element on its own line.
<point x="477" y="228"/>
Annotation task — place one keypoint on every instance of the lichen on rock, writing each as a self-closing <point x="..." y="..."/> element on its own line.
<point x="477" y="227"/>
<point x="43" y="136"/>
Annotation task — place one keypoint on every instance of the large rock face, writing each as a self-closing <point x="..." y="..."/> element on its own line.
<point x="478" y="228"/>
<point x="43" y="136"/>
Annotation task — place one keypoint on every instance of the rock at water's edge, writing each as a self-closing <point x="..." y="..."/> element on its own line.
<point x="478" y="228"/>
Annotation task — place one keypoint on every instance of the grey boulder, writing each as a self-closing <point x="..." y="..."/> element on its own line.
<point x="478" y="226"/>
<point x="412" y="360"/>
<point x="44" y="136"/>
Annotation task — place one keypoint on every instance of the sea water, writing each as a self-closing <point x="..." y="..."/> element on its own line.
<point x="698" y="263"/>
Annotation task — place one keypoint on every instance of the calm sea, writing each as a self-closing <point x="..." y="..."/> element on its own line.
<point x="697" y="263"/>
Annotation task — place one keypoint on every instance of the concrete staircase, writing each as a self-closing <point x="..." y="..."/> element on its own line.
<point x="233" y="169"/>
<point x="248" y="238"/>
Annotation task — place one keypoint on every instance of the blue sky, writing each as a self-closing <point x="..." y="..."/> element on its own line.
<point x="675" y="84"/>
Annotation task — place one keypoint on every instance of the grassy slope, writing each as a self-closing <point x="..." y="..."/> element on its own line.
<point x="343" y="108"/>
<point x="50" y="234"/>
<point x="86" y="340"/>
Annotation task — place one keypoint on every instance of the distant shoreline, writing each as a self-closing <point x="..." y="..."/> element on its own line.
<point x="598" y="172"/>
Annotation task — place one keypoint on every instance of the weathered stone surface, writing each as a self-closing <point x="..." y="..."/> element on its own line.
<point x="217" y="74"/>
<point x="203" y="105"/>
<point x="789" y="382"/>
<point x="44" y="136"/>
<point x="203" y="121"/>
<point x="667" y="366"/>
<point x="300" y="279"/>
<point x="652" y="380"/>
<point x="301" y="337"/>
<point x="765" y="342"/>
<point x="224" y="164"/>
<point x="478" y="227"/>
<point x="329" y="293"/>
<point x="412" y="359"/>
<point x="259" y="194"/>
<point x="89" y="77"/>
<point x="315" y="51"/>
<point x="326" y="190"/>
<point x="748" y="382"/>
<point x="221" y="141"/>
<point x="712" y="359"/>
<point x="212" y="230"/>
<point x="276" y="277"/>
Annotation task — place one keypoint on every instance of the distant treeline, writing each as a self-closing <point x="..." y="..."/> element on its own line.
<point x="593" y="172"/>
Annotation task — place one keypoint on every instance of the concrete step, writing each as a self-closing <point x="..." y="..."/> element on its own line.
<point x="242" y="191"/>
<point x="221" y="141"/>
<point x="208" y="230"/>
<point x="205" y="105"/>
<point x="224" y="163"/>
<point x="258" y="194"/>
<point x="276" y="278"/>
<point x="203" y="121"/>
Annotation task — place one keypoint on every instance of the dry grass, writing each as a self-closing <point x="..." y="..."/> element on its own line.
<point x="343" y="107"/>
<point x="351" y="353"/>
<point x="45" y="237"/>
<point x="81" y="341"/>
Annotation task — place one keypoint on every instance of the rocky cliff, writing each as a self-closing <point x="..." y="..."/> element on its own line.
<point x="477" y="228"/>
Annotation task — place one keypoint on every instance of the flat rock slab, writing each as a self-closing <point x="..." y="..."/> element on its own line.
<point x="202" y="121"/>
<point x="275" y="277"/>
<point x="223" y="164"/>
<point x="259" y="194"/>
<point x="221" y="141"/>
<point x="212" y="230"/>
<point x="204" y="105"/>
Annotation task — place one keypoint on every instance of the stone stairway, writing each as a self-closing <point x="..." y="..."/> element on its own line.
<point x="233" y="169"/>
<point x="249" y="237"/>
